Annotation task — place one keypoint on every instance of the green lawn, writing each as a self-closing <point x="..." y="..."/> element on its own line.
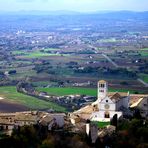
<point x="75" y="90"/>
<point x="10" y="93"/>
<point x="144" y="77"/>
<point x="101" y="124"/>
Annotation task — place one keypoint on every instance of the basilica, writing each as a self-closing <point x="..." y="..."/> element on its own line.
<point x="107" y="105"/>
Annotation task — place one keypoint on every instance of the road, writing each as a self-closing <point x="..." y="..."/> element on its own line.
<point x="144" y="83"/>
<point x="117" y="66"/>
<point x="110" y="60"/>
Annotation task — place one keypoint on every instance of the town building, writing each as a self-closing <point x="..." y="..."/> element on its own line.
<point x="10" y="121"/>
<point x="142" y="106"/>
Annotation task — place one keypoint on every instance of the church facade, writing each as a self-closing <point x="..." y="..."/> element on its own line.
<point x="108" y="105"/>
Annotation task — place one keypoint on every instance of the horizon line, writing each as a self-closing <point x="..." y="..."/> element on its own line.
<point x="74" y="11"/>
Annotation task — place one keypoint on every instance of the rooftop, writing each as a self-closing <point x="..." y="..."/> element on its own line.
<point x="102" y="81"/>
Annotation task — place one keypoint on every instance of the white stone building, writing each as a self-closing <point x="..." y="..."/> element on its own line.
<point x="108" y="105"/>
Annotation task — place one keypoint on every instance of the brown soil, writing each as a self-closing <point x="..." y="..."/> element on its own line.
<point x="6" y="106"/>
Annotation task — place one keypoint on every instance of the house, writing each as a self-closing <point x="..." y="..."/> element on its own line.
<point x="26" y="118"/>
<point x="142" y="106"/>
<point x="108" y="105"/>
<point x="7" y="122"/>
<point x="10" y="121"/>
<point x="47" y="120"/>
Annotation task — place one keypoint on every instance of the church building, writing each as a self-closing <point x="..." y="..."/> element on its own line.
<point x="108" y="105"/>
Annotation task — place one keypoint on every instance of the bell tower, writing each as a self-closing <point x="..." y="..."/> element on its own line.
<point x="102" y="89"/>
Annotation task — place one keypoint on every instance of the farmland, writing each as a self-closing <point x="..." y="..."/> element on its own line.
<point x="77" y="91"/>
<point x="69" y="91"/>
<point x="144" y="77"/>
<point x="7" y="106"/>
<point x="10" y="93"/>
<point x="33" y="54"/>
<point x="55" y="57"/>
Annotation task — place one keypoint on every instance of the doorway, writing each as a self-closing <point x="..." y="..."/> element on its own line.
<point x="106" y="115"/>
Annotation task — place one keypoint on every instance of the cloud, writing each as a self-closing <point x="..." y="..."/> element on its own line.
<point x="25" y="1"/>
<point x="31" y="1"/>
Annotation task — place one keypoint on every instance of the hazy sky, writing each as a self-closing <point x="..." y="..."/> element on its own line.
<point x="74" y="5"/>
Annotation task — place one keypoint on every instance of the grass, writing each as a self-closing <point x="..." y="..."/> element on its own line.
<point x="110" y="40"/>
<point x="101" y="124"/>
<point x="144" y="52"/>
<point x="22" y="74"/>
<point x="10" y="93"/>
<point x="144" y="77"/>
<point x="69" y="91"/>
<point x="50" y="49"/>
<point x="144" y="49"/>
<point x="33" y="54"/>
<point x="75" y="90"/>
<point x="121" y="90"/>
<point x="17" y="52"/>
<point x="38" y="54"/>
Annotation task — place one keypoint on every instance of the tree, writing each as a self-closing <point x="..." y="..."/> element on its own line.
<point x="12" y="72"/>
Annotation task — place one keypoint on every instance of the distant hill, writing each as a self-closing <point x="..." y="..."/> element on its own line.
<point x="49" y="20"/>
<point x="36" y="12"/>
<point x="63" y="12"/>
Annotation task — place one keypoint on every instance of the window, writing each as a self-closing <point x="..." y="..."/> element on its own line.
<point x="101" y="90"/>
<point x="102" y="85"/>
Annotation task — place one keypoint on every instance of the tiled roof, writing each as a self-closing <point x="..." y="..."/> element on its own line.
<point x="116" y="97"/>
<point x="102" y="81"/>
<point x="25" y="117"/>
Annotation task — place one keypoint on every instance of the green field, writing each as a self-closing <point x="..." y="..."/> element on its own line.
<point x="121" y="90"/>
<point x="144" y="52"/>
<point x="144" y="49"/>
<point x="10" y="93"/>
<point x="144" y="77"/>
<point x="33" y="54"/>
<point x="51" y="49"/>
<point x="109" y="40"/>
<point x="69" y="91"/>
<point x="75" y="90"/>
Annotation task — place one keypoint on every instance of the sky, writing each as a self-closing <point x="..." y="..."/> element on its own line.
<point x="73" y="5"/>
